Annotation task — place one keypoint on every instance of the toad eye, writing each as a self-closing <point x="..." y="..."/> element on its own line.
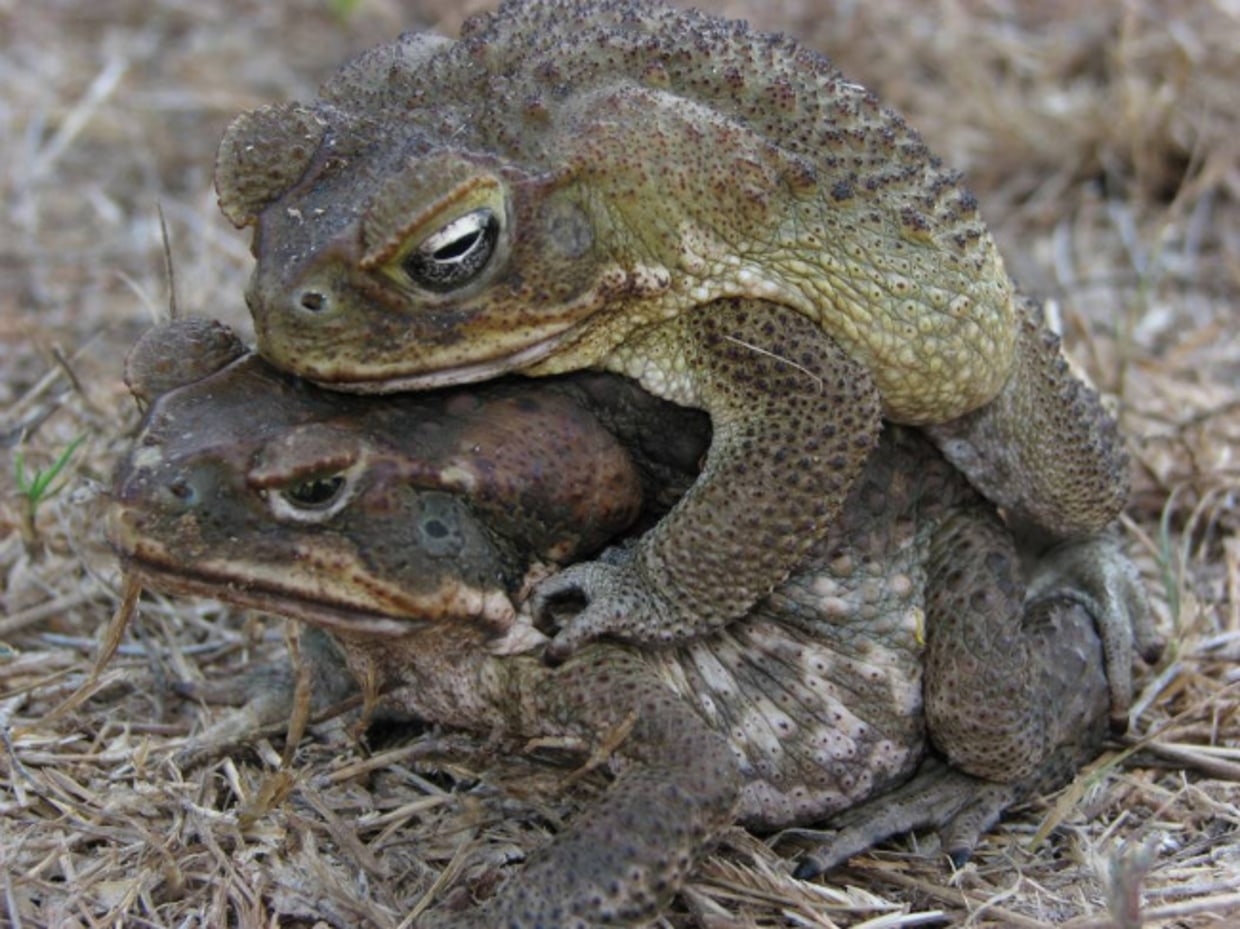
<point x="313" y="500"/>
<point x="315" y="494"/>
<point x="456" y="254"/>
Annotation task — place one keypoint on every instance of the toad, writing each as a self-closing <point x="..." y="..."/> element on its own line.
<point x="410" y="527"/>
<point x="715" y="212"/>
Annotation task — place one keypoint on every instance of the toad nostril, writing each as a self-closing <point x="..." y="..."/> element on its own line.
<point x="193" y="488"/>
<point x="182" y="490"/>
<point x="313" y="301"/>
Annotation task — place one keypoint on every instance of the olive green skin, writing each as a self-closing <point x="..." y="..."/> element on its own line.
<point x="715" y="212"/>
<point x="410" y="528"/>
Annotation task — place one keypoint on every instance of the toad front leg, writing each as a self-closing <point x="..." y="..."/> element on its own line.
<point x="794" y="421"/>
<point x="620" y="862"/>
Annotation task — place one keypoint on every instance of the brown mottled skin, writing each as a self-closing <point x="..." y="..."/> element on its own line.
<point x="410" y="527"/>
<point x="594" y="185"/>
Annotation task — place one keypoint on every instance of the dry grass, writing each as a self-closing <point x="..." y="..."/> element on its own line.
<point x="1103" y="147"/>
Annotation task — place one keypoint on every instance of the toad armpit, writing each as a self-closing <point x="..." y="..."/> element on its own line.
<point x="409" y="528"/>
<point x="715" y="212"/>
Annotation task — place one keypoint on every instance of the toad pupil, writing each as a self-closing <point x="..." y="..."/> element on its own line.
<point x="315" y="493"/>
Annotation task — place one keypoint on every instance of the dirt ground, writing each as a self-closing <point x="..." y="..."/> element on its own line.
<point x="1101" y="140"/>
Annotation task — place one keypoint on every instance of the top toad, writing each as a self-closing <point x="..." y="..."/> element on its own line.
<point x="713" y="211"/>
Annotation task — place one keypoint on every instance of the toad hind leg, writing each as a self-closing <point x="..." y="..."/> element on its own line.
<point x="1067" y="659"/>
<point x="794" y="419"/>
<point x="1003" y="674"/>
<point x="1044" y="448"/>
<point x="1096" y="573"/>
<point x="938" y="796"/>
<point x="1047" y="451"/>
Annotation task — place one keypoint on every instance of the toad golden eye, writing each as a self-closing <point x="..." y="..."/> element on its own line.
<point x="315" y="494"/>
<point x="456" y="254"/>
